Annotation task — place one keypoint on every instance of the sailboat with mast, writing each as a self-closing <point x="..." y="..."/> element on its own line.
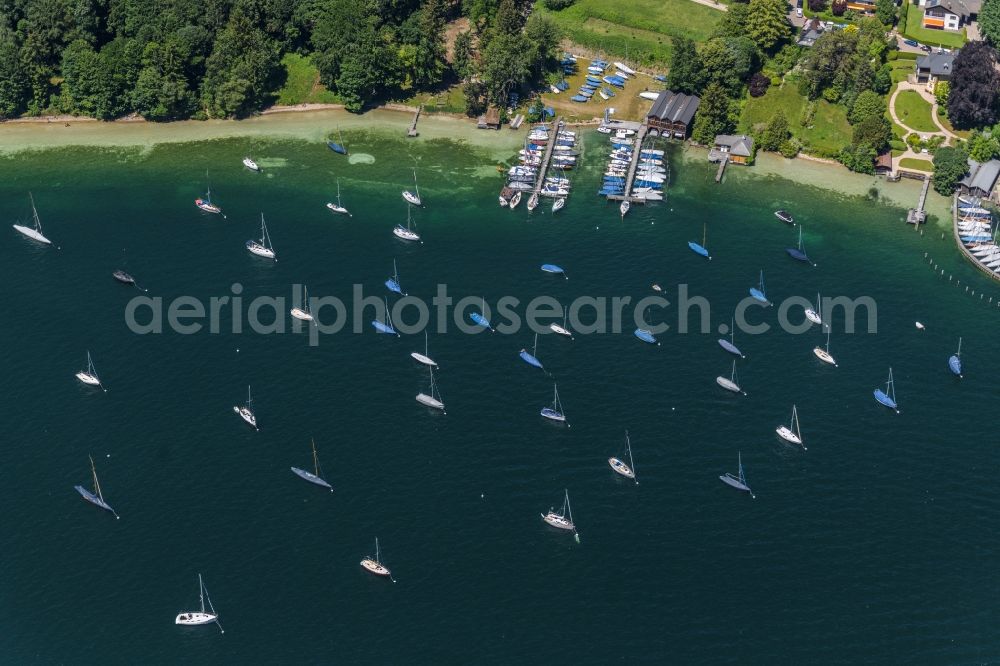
<point x="202" y="616"/>
<point x="888" y="396"/>
<point x="479" y="318"/>
<point x="955" y="361"/>
<point x="730" y="344"/>
<point x="799" y="253"/>
<point x="729" y="383"/>
<point x="739" y="482"/>
<point x="413" y="197"/>
<point x="406" y="233"/>
<point x="245" y="411"/>
<point x="555" y="412"/>
<point x="315" y="476"/>
<point x="33" y="232"/>
<point x="263" y="247"/>
<point x="392" y="284"/>
<point x="434" y="399"/>
<point x="340" y="148"/>
<point x="89" y="376"/>
<point x="303" y="312"/>
<point x="123" y="276"/>
<point x="206" y="204"/>
<point x="618" y="465"/>
<point x="824" y="354"/>
<point x="562" y="520"/>
<point x="424" y="358"/>
<point x="97" y="497"/>
<point x="531" y="358"/>
<point x="791" y="433"/>
<point x="699" y="248"/>
<point x="562" y="330"/>
<point x="374" y="564"/>
<point x="816" y="316"/>
<point x="386" y="326"/>
<point x="338" y="207"/>
<point x="758" y="293"/>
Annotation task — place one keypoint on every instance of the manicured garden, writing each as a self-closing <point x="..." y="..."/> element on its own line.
<point x="918" y="165"/>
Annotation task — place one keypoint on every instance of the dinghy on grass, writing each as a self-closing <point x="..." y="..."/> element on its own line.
<point x="888" y="396"/>
<point x="739" y="482"/>
<point x="313" y="477"/>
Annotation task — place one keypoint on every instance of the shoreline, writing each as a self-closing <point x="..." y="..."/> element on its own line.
<point x="314" y="122"/>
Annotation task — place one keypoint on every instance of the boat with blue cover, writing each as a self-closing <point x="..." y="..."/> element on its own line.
<point x="758" y="292"/>
<point x="552" y="268"/>
<point x="480" y="319"/>
<point x="729" y="345"/>
<point x="96" y="498"/>
<point x="578" y="98"/>
<point x="392" y="284"/>
<point x="339" y="148"/>
<point x="646" y="336"/>
<point x="888" y="396"/>
<point x="955" y="362"/>
<point x="386" y="326"/>
<point x="661" y="78"/>
<point x="531" y="358"/>
<point x="700" y="248"/>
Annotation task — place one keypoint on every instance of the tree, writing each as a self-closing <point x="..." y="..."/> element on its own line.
<point x="429" y="65"/>
<point x="874" y="131"/>
<point x="776" y="132"/>
<point x="461" y="59"/>
<point x="714" y="115"/>
<point x="941" y="94"/>
<point x="885" y="11"/>
<point x="950" y="166"/>
<point x="475" y="98"/>
<point x="838" y="7"/>
<point x="983" y="146"/>
<point x="817" y="5"/>
<point x="989" y="22"/>
<point x="556" y="5"/>
<point x="240" y="72"/>
<point x="544" y="36"/>
<point x="767" y="23"/>
<point x="974" y="93"/>
<point x="13" y="83"/>
<point x="728" y="62"/>
<point x="759" y="84"/>
<point x="505" y="65"/>
<point x="859" y="158"/>
<point x="868" y="104"/>
<point x="733" y="23"/>
<point x="684" y="74"/>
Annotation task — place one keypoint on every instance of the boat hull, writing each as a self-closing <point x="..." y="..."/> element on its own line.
<point x="885" y="400"/>
<point x="824" y="356"/>
<point x="553" y="415"/>
<point x="405" y="234"/>
<point x="425" y="360"/>
<point x="730" y="347"/>
<point x="247" y="416"/>
<point x="256" y="248"/>
<point x="412" y="198"/>
<point x="786" y="434"/>
<point x="955" y="365"/>
<point x="731" y="480"/>
<point x="33" y="234"/>
<point x="195" y="618"/>
<point x="340" y="210"/>
<point x="375" y="568"/>
<point x="88" y="379"/>
<point x="94" y="499"/>
<point x="557" y="521"/>
<point x="301" y="314"/>
<point x="728" y="384"/>
<point x="621" y="468"/>
<point x="311" y="478"/>
<point x="207" y="206"/>
<point x="429" y="401"/>
<point x="645" y="336"/>
<point x="698" y="249"/>
<point x="528" y="358"/>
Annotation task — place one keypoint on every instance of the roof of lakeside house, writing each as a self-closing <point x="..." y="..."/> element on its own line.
<point x="738" y="144"/>
<point x="811" y="31"/>
<point x="982" y="176"/>
<point x="674" y="107"/>
<point x="884" y="161"/>
<point x="960" y="7"/>
<point x="939" y="64"/>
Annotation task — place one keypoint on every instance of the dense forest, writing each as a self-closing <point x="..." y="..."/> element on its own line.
<point x="173" y="59"/>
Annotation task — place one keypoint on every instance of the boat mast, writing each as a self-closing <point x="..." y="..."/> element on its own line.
<point x="425" y="343"/>
<point x="97" y="486"/>
<point x="795" y="422"/>
<point x="338" y="194"/>
<point x="959" y="352"/>
<point x="249" y="401"/>
<point x="534" y="351"/>
<point x="377" y="558"/>
<point x="34" y="213"/>
<point x="415" y="186"/>
<point x="315" y="458"/>
<point x="631" y="463"/>
<point x="201" y="593"/>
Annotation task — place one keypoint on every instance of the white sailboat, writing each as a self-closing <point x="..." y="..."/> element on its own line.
<point x="562" y="330"/>
<point x="424" y="358"/>
<point x="303" y="313"/>
<point x="515" y="200"/>
<point x="336" y="207"/>
<point x="263" y="247"/>
<point x="374" y="564"/>
<point x="532" y="201"/>
<point x="558" y="204"/>
<point x="623" y="208"/>
<point x="824" y="354"/>
<point x="791" y="433"/>
<point x="89" y="376"/>
<point x="555" y="412"/>
<point x="434" y="399"/>
<point x="313" y="477"/>
<point x="729" y="383"/>
<point x="33" y="232"/>
<point x="193" y="618"/>
<point x="628" y="471"/>
<point x="245" y="412"/>
<point x="816" y="316"/>
<point x="564" y="519"/>
<point x="413" y="197"/>
<point x="406" y="233"/>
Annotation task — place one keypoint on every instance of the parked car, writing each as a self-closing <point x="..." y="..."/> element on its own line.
<point x="798" y="12"/>
<point x="911" y="42"/>
<point x="925" y="48"/>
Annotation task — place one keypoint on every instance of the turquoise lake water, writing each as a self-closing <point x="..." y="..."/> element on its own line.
<point x="874" y="545"/>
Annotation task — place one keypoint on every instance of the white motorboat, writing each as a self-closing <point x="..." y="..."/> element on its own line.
<point x="245" y="412"/>
<point x="791" y="433"/>
<point x="503" y="202"/>
<point x="625" y="205"/>
<point x="194" y="618"/>
<point x="558" y="204"/>
<point x="919" y="326"/>
<point x="33" y="232"/>
<point x="532" y="201"/>
<point x="250" y="164"/>
<point x="303" y="313"/>
<point x="262" y="248"/>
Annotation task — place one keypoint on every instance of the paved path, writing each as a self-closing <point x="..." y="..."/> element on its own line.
<point x="713" y="4"/>
<point x="921" y="90"/>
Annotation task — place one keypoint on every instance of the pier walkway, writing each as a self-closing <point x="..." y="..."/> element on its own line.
<point x="547" y="156"/>
<point x="630" y="177"/>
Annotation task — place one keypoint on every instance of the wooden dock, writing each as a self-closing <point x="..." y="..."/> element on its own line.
<point x="640" y="135"/>
<point x="961" y="246"/>
<point x="547" y="156"/>
<point x="413" y="126"/>
<point x="917" y="216"/>
<point x="722" y="168"/>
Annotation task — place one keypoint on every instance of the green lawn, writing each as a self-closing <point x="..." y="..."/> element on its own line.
<point x="901" y="69"/>
<point x="911" y="25"/>
<point x="825" y="136"/>
<point x="643" y="27"/>
<point x="919" y="165"/>
<point x="915" y="112"/>
<point x="302" y="85"/>
<point x="449" y="100"/>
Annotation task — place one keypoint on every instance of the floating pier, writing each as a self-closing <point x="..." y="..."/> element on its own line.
<point x="917" y="216"/>
<point x="640" y="135"/>
<point x="722" y="168"/>
<point x="958" y="240"/>
<point x="547" y="157"/>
